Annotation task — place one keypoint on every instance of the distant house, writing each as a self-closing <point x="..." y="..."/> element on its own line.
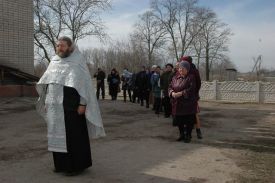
<point x="231" y="74"/>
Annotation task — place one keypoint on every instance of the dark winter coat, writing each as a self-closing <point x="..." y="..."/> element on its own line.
<point x="114" y="82"/>
<point x="165" y="79"/>
<point x="100" y="76"/>
<point x="195" y="72"/>
<point x="142" y="81"/>
<point x="186" y="104"/>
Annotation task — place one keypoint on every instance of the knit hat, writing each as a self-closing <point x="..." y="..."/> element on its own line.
<point x="186" y="58"/>
<point x="184" y="64"/>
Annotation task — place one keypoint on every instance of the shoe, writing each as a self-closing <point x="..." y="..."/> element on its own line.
<point x="167" y="116"/>
<point x="57" y="171"/>
<point x="187" y="139"/>
<point x="199" y="134"/>
<point x="74" y="173"/>
<point x="181" y="137"/>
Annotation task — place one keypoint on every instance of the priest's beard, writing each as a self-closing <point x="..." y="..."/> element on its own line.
<point x="64" y="54"/>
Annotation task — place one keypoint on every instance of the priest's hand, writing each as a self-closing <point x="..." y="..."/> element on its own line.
<point x="81" y="109"/>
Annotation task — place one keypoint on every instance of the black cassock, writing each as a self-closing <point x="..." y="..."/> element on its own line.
<point x="78" y="156"/>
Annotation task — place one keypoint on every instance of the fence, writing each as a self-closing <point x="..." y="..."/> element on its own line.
<point x="238" y="91"/>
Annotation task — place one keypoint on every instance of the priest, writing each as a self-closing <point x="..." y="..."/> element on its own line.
<point x="68" y="103"/>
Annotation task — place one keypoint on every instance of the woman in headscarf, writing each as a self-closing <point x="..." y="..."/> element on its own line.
<point x="184" y="102"/>
<point x="114" y="82"/>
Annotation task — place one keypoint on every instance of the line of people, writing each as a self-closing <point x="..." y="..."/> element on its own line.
<point x="173" y="91"/>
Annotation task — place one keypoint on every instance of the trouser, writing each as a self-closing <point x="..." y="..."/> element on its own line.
<point x="185" y="124"/>
<point x="167" y="106"/>
<point x="157" y="104"/>
<point x="113" y="90"/>
<point x="114" y="95"/>
<point x="186" y="130"/>
<point x="135" y="95"/>
<point x="129" y="94"/>
<point x="100" y="86"/>
<point x="144" y="95"/>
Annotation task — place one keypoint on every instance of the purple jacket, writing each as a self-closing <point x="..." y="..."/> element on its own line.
<point x="186" y="104"/>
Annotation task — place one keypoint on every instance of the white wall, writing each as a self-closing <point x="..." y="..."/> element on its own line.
<point x="238" y="91"/>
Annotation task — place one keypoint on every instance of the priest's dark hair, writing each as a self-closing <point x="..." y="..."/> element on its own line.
<point x="68" y="40"/>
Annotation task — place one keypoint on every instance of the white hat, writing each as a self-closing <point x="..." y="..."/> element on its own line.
<point x="154" y="66"/>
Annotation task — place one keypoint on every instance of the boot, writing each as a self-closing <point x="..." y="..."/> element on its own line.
<point x="182" y="135"/>
<point x="199" y="134"/>
<point x="187" y="139"/>
<point x="188" y="132"/>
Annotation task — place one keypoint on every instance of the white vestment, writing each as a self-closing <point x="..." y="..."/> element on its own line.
<point x="73" y="72"/>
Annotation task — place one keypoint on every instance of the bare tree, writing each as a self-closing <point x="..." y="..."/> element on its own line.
<point x="81" y="17"/>
<point x="178" y="18"/>
<point x="219" y="68"/>
<point x="47" y="27"/>
<point x="212" y="42"/>
<point x="76" y="18"/>
<point x="138" y="53"/>
<point x="151" y="32"/>
<point x="120" y="54"/>
<point x="197" y="46"/>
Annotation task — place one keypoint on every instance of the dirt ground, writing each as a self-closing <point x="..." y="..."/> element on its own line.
<point x="140" y="147"/>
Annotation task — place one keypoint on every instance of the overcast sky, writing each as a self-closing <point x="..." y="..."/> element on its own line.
<point x="251" y="21"/>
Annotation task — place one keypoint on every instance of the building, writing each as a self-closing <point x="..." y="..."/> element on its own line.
<point x="16" y="48"/>
<point x="16" y="35"/>
<point x="231" y="74"/>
